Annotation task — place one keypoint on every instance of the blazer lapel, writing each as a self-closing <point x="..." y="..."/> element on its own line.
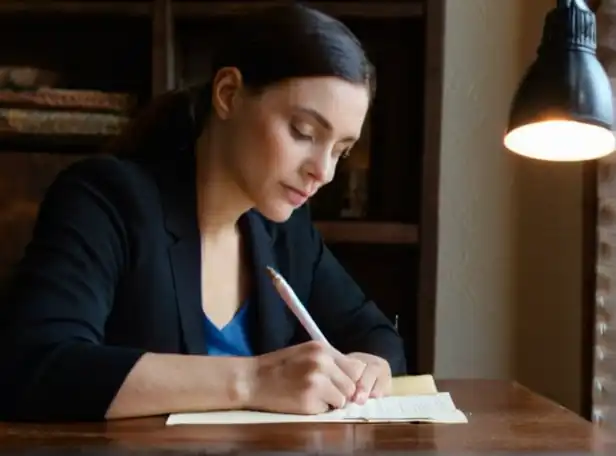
<point x="186" y="267"/>
<point x="169" y="152"/>
<point x="179" y="205"/>
<point x="274" y="324"/>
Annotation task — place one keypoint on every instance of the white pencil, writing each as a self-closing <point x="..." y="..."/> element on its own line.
<point x="293" y="302"/>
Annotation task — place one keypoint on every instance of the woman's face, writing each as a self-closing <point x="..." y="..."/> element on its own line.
<point x="285" y="143"/>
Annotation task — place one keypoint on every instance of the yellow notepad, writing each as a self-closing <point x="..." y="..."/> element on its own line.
<point x="409" y="385"/>
<point x="413" y="399"/>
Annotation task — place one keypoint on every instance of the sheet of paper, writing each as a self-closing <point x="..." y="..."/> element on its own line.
<point x="436" y="408"/>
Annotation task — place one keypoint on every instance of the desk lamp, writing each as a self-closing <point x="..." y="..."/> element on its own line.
<point x="562" y="110"/>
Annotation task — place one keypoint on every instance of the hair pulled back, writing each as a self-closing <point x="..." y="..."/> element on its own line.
<point x="292" y="41"/>
<point x="268" y="46"/>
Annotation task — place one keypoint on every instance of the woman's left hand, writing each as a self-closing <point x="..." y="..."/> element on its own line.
<point x="375" y="381"/>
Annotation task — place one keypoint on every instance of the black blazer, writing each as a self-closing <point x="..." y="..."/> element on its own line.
<point x="113" y="271"/>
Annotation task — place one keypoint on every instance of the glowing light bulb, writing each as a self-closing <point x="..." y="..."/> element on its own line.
<point x="561" y="140"/>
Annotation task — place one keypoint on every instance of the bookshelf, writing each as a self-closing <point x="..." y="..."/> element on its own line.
<point x="379" y="216"/>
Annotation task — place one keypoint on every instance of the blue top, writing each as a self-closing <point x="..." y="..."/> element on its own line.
<point x="232" y="339"/>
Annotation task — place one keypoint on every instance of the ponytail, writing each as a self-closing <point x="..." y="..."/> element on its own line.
<point x="169" y="125"/>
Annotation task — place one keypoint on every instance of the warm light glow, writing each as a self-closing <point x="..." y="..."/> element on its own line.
<point x="561" y="140"/>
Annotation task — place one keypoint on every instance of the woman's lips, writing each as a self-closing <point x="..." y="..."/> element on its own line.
<point x="296" y="197"/>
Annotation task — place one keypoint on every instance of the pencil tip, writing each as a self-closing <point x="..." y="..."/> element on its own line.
<point x="271" y="272"/>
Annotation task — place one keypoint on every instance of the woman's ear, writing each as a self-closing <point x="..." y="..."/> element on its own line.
<point x="226" y="92"/>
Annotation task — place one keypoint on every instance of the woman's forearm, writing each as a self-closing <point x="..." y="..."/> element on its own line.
<point x="167" y="383"/>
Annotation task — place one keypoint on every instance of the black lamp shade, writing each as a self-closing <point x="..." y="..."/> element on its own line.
<point x="562" y="109"/>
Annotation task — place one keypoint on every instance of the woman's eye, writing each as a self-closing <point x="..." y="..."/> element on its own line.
<point x="343" y="153"/>
<point x="299" y="135"/>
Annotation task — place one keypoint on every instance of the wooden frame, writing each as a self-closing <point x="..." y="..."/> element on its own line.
<point x="428" y="270"/>
<point x="589" y="291"/>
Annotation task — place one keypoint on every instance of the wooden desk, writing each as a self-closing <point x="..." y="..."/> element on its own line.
<point x="502" y="416"/>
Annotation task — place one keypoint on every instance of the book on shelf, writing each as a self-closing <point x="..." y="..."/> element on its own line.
<point x="48" y="114"/>
<point x="46" y="122"/>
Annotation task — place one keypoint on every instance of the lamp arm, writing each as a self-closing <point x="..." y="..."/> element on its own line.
<point x="569" y="26"/>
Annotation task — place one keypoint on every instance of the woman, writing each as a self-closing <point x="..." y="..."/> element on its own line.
<point x="144" y="290"/>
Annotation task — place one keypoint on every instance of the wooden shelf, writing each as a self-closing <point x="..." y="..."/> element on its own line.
<point x="59" y="144"/>
<point x="194" y="9"/>
<point x="127" y="8"/>
<point x="377" y="9"/>
<point x="368" y="232"/>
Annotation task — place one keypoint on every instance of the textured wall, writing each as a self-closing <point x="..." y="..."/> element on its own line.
<point x="475" y="280"/>
<point x="508" y="303"/>
<point x="604" y="380"/>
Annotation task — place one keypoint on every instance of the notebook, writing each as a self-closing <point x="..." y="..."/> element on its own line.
<point x="413" y="399"/>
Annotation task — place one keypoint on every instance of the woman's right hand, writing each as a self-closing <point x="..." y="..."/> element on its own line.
<point x="304" y="379"/>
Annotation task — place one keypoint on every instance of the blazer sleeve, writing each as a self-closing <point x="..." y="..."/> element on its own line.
<point x="54" y="362"/>
<point x="348" y="319"/>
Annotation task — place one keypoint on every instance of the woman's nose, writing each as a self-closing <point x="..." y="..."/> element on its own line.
<point x="319" y="167"/>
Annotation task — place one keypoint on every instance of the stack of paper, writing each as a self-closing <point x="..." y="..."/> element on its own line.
<point x="435" y="408"/>
<point x="415" y="399"/>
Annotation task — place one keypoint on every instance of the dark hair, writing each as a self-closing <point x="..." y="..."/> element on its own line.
<point x="293" y="41"/>
<point x="268" y="46"/>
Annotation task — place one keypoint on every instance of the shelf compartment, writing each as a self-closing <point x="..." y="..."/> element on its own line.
<point x="388" y="275"/>
<point x="359" y="232"/>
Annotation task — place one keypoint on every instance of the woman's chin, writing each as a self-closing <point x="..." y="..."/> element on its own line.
<point x="277" y="213"/>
